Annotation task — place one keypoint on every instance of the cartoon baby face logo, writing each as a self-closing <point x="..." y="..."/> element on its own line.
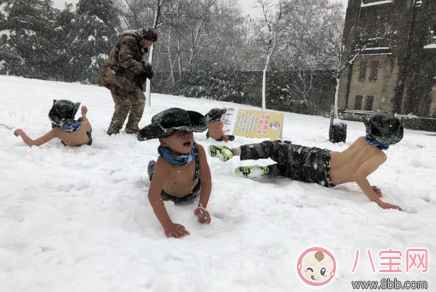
<point x="316" y="266"/>
<point x="274" y="126"/>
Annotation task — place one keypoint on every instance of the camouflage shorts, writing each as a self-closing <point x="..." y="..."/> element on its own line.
<point x="308" y="164"/>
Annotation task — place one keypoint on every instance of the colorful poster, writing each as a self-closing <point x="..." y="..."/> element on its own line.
<point x="253" y="123"/>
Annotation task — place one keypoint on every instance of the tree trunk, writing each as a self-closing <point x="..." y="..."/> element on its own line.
<point x="150" y="55"/>
<point x="264" y="81"/>
<point x="179" y="58"/>
<point x="169" y="57"/>
<point x="335" y="106"/>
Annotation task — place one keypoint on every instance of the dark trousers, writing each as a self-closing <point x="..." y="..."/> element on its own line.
<point x="308" y="164"/>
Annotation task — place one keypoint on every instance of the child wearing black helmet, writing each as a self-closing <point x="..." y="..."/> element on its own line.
<point x="322" y="166"/>
<point x="181" y="172"/>
<point x="215" y="125"/>
<point x="71" y="132"/>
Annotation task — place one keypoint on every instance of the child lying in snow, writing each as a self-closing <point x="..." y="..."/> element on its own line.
<point x="322" y="166"/>
<point x="215" y="125"/>
<point x="64" y="127"/>
<point x="181" y="172"/>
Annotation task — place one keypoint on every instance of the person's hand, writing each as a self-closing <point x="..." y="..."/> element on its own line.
<point x="147" y="70"/>
<point x="84" y="110"/>
<point x="385" y="205"/>
<point x="18" y="132"/>
<point x="176" y="230"/>
<point x="377" y="191"/>
<point x="202" y="215"/>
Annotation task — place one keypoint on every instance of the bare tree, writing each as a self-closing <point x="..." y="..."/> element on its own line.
<point x="333" y="58"/>
<point x="310" y="42"/>
<point x="271" y="20"/>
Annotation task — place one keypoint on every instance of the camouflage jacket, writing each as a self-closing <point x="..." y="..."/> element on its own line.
<point x="124" y="62"/>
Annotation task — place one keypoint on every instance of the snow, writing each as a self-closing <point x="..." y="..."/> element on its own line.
<point x="5" y="32"/>
<point x="377" y="3"/>
<point x="377" y="54"/>
<point x="431" y="46"/>
<point x="3" y="9"/>
<point x="376" y="48"/>
<point x="78" y="219"/>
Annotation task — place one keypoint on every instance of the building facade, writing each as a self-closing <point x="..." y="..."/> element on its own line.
<point x="395" y="67"/>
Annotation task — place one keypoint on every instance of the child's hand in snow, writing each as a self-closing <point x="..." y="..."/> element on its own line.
<point x="377" y="191"/>
<point x="176" y="230"/>
<point x="18" y="132"/>
<point x="202" y="215"/>
<point x="385" y="205"/>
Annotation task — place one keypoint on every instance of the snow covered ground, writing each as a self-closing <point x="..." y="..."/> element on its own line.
<point x="78" y="219"/>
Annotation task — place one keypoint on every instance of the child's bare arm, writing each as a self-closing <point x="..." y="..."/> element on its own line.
<point x="84" y="112"/>
<point x="221" y="131"/>
<point x="154" y="196"/>
<point x="206" y="187"/>
<point x="360" y="177"/>
<point x="41" y="140"/>
<point x="85" y="118"/>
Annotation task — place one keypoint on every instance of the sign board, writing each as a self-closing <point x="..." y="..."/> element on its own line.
<point x="253" y="123"/>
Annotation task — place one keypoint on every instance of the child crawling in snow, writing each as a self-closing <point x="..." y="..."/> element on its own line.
<point x="181" y="172"/>
<point x="215" y="125"/>
<point x="71" y="132"/>
<point x="322" y="166"/>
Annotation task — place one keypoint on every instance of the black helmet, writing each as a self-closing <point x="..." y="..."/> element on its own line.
<point x="63" y="112"/>
<point x="215" y="114"/>
<point x="384" y="127"/>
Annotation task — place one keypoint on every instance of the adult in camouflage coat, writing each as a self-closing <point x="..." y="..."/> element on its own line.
<point x="124" y="74"/>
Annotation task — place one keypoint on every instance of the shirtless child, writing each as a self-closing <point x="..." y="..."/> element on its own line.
<point x="322" y="166"/>
<point x="215" y="125"/>
<point x="181" y="172"/>
<point x="64" y="127"/>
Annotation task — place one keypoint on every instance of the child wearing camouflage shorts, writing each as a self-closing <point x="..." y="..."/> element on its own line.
<point x="181" y="173"/>
<point x="322" y="166"/>
<point x="308" y="164"/>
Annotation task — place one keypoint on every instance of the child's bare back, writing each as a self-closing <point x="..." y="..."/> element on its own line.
<point x="216" y="126"/>
<point x="358" y="157"/>
<point x="76" y="138"/>
<point x="216" y="131"/>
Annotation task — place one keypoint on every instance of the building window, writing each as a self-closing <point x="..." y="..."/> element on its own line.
<point x="362" y="73"/>
<point x="431" y="35"/>
<point x="433" y="39"/>
<point x="369" y="103"/>
<point x="358" y="104"/>
<point x="374" y="70"/>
